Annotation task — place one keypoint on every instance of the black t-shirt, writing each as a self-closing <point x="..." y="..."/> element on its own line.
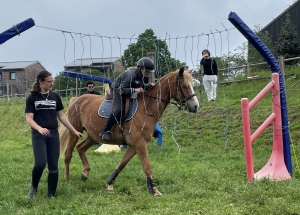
<point x="44" y="111"/>
<point x="93" y="92"/>
<point x="210" y="66"/>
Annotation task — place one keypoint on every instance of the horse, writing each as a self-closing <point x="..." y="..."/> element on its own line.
<point x="135" y="133"/>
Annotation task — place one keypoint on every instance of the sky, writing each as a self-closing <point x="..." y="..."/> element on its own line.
<point x="102" y="28"/>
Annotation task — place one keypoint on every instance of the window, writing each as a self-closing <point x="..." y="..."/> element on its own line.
<point x="0" y="76"/>
<point x="12" y="76"/>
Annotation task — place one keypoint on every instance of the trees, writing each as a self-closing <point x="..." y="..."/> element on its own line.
<point x="253" y="55"/>
<point x="230" y="61"/>
<point x="63" y="82"/>
<point x="288" y="44"/>
<point x="148" y="42"/>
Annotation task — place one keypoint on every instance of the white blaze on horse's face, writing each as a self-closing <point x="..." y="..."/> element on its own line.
<point x="193" y="103"/>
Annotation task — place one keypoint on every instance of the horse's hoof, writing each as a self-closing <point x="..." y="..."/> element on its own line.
<point x="156" y="192"/>
<point x="110" y="187"/>
<point x="83" y="177"/>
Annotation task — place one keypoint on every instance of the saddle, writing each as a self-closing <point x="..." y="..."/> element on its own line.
<point x="131" y="106"/>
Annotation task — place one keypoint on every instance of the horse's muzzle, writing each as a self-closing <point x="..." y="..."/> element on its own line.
<point x="192" y="107"/>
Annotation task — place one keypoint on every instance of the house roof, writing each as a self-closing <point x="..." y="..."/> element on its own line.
<point x="280" y="15"/>
<point x="16" y="65"/>
<point x="90" y="61"/>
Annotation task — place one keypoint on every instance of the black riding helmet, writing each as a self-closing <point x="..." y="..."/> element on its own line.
<point x="146" y="63"/>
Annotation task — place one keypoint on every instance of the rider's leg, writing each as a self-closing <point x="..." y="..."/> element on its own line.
<point x="116" y="114"/>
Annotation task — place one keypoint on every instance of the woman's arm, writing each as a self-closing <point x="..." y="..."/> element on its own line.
<point x="34" y="125"/>
<point x="64" y="120"/>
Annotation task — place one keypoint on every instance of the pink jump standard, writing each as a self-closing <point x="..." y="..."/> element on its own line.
<point x="275" y="169"/>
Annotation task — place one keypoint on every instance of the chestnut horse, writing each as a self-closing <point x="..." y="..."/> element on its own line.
<point x="136" y="133"/>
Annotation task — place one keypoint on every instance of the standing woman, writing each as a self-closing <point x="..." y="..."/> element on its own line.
<point x="209" y="69"/>
<point x="43" y="107"/>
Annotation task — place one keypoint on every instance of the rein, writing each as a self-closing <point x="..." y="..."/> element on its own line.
<point x="163" y="100"/>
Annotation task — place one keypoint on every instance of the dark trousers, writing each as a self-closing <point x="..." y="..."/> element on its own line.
<point x="46" y="151"/>
<point x="118" y="109"/>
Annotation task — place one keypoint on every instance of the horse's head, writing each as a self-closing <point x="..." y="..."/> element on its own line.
<point x="184" y="91"/>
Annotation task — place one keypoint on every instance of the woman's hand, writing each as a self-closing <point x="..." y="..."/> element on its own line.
<point x="152" y="85"/>
<point x="44" y="131"/>
<point x="139" y="90"/>
<point x="78" y="134"/>
<point x="149" y="86"/>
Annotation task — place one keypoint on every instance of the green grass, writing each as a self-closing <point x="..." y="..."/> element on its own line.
<point x="208" y="176"/>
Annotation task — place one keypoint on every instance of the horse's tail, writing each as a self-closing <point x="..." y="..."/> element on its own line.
<point x="64" y="134"/>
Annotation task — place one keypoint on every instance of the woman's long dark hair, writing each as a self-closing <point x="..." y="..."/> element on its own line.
<point x="41" y="76"/>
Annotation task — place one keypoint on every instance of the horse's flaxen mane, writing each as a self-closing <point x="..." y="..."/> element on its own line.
<point x="187" y="77"/>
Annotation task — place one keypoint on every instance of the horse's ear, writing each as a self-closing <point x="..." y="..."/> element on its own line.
<point x="190" y="71"/>
<point x="180" y="72"/>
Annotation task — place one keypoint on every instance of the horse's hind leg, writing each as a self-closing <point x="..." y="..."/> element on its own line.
<point x="68" y="154"/>
<point x="130" y="152"/>
<point x="82" y="148"/>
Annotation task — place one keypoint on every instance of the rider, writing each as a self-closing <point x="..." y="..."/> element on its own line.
<point x="128" y="82"/>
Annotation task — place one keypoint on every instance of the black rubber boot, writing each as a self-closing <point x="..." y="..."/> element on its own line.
<point x="32" y="192"/>
<point x="52" y="183"/>
<point x="35" y="177"/>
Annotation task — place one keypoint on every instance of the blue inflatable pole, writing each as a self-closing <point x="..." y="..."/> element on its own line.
<point x="274" y="66"/>
<point x="16" y="30"/>
<point x="87" y="77"/>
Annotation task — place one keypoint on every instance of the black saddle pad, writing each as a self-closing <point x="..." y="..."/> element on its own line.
<point x="106" y="107"/>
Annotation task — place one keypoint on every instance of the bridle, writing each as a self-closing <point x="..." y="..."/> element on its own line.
<point x="182" y="102"/>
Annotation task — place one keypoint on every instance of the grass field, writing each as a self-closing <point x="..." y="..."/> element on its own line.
<point x="200" y="167"/>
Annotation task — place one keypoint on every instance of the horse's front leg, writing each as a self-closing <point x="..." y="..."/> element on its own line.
<point x="130" y="152"/>
<point x="68" y="155"/>
<point x="142" y="152"/>
<point x="82" y="148"/>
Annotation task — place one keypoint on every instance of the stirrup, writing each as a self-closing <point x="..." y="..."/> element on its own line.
<point x="106" y="135"/>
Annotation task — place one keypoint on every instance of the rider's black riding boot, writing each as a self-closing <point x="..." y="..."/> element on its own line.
<point x="105" y="133"/>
